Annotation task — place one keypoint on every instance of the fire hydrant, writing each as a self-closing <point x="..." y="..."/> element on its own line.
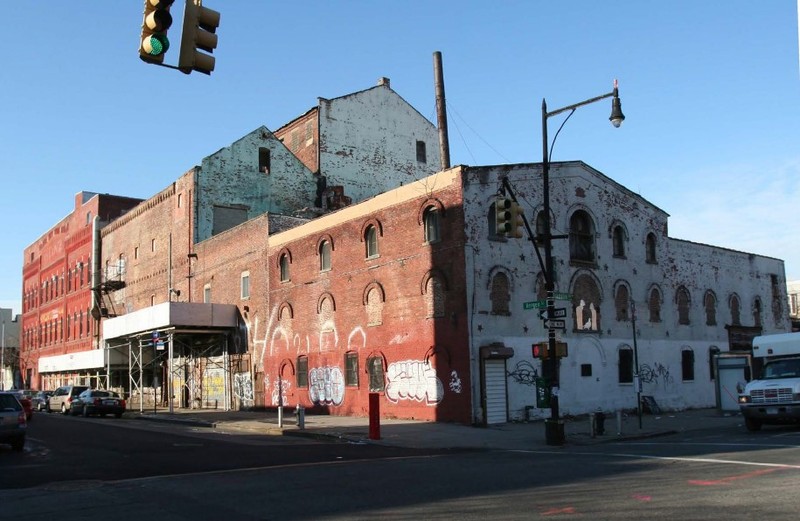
<point x="300" y="412"/>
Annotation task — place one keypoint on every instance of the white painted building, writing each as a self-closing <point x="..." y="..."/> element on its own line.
<point x="693" y="301"/>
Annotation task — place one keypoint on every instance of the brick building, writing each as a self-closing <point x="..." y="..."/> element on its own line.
<point x="57" y="297"/>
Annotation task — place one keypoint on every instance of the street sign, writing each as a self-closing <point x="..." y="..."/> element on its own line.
<point x="562" y="296"/>
<point x="557" y="313"/>
<point x="555" y="324"/>
<point x="535" y="304"/>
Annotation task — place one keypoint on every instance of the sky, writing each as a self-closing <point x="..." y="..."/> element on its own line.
<point x="710" y="91"/>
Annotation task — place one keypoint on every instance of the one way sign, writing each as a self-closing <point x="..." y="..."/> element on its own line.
<point x="557" y="313"/>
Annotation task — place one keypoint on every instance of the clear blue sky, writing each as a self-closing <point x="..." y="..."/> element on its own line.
<point x="711" y="91"/>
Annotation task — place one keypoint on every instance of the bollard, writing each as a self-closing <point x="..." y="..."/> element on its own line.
<point x="301" y="416"/>
<point x="619" y="422"/>
<point x="374" y="416"/>
<point x="592" y="429"/>
<point x="280" y="416"/>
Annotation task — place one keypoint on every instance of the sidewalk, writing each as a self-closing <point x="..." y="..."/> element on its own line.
<point x="419" y="434"/>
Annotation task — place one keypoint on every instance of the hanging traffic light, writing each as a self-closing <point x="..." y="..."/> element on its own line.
<point x="502" y="216"/>
<point x="155" y="23"/>
<point x="199" y="26"/>
<point x="516" y="222"/>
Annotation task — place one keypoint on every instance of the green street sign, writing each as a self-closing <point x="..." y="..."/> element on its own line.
<point x="535" y="304"/>
<point x="562" y="296"/>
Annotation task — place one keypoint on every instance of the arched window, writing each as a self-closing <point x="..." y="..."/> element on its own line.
<point x="586" y="302"/>
<point x="371" y="241"/>
<point x="710" y="303"/>
<point x="682" y="301"/>
<point x="581" y="237"/>
<point x="430" y="220"/>
<point x="284" y="265"/>
<point x="618" y="239"/>
<point x="734" y="307"/>
<point x="654" y="304"/>
<point x="650" y="248"/>
<point x="757" y="312"/>
<point x="622" y="302"/>
<point x="324" y="256"/>
<point x="500" y="294"/>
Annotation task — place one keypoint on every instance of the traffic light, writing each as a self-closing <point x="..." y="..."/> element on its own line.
<point x="156" y="22"/>
<point x="540" y="350"/>
<point x="516" y="221"/>
<point x="199" y="25"/>
<point x="502" y="216"/>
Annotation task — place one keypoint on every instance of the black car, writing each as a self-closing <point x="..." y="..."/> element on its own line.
<point x="98" y="401"/>
<point x="13" y="424"/>
<point x="40" y="400"/>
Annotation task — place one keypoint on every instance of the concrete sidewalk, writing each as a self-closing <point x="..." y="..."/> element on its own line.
<point x="420" y="434"/>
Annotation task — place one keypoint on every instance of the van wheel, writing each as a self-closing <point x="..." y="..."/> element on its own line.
<point x="752" y="424"/>
<point x="63" y="409"/>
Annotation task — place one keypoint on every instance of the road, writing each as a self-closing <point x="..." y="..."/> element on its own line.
<point x="76" y="468"/>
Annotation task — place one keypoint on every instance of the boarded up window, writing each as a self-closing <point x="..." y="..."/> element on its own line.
<point x="734" y="305"/>
<point x="434" y="297"/>
<point x="711" y="309"/>
<point x="621" y="303"/>
<point x="374" y="308"/>
<point x="500" y="294"/>
<point x="682" y="300"/>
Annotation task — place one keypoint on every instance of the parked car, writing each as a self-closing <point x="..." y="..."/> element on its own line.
<point x="98" y="401"/>
<point x="63" y="397"/>
<point x="27" y="403"/>
<point x="40" y="400"/>
<point x="13" y="424"/>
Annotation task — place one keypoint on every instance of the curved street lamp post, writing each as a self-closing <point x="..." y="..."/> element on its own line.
<point x="554" y="427"/>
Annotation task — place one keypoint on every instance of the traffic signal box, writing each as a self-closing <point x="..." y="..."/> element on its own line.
<point x="503" y="215"/>
<point x="157" y="20"/>
<point x="516" y="221"/>
<point x="540" y="350"/>
<point x="199" y="28"/>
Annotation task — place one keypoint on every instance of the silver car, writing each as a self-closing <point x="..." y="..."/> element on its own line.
<point x="13" y="424"/>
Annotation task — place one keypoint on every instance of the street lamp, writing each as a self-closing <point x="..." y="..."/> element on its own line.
<point x="554" y="428"/>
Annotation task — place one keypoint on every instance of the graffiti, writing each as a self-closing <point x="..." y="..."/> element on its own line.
<point x="243" y="389"/>
<point x="413" y="380"/>
<point x="326" y="385"/>
<point x="652" y="375"/>
<point x="455" y="382"/>
<point x="279" y="389"/>
<point x="524" y="373"/>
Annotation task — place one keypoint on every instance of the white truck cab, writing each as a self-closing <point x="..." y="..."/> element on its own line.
<point x="774" y="397"/>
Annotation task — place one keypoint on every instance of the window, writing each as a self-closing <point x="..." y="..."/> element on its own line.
<point x="207" y="294"/>
<point x="625" y="365"/>
<point x="654" y="305"/>
<point x="683" y="301"/>
<point x="324" y="256"/>
<point x="586" y="301"/>
<point x="711" y="308"/>
<point x="371" y="241"/>
<point x="376" y="376"/>
<point x="351" y="369"/>
<point x="621" y="303"/>
<point x="581" y="237"/>
<point x="757" y="312"/>
<point x="431" y="221"/>
<point x="136" y="252"/>
<point x="263" y="160"/>
<point x="180" y="200"/>
<point x="421" y="154"/>
<point x="302" y="371"/>
<point x="618" y="239"/>
<point x="500" y="294"/>
<point x="734" y="305"/>
<point x="284" y="264"/>
<point x="586" y="369"/>
<point x="650" y="248"/>
<point x="152" y="245"/>
<point x="245" y="285"/>
<point x="687" y="365"/>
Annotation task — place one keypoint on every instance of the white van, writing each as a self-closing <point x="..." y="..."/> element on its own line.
<point x="774" y="397"/>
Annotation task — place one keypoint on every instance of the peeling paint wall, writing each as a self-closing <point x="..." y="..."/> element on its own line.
<point x="231" y="179"/>
<point x="368" y="142"/>
<point x="697" y="268"/>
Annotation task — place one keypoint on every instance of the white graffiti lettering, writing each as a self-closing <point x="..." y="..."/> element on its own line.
<point x="413" y="380"/>
<point x="326" y="385"/>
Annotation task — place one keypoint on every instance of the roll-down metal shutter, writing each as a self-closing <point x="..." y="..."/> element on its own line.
<point x="496" y="407"/>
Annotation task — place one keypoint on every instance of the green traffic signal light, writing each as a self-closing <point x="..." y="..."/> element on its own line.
<point x="155" y="44"/>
